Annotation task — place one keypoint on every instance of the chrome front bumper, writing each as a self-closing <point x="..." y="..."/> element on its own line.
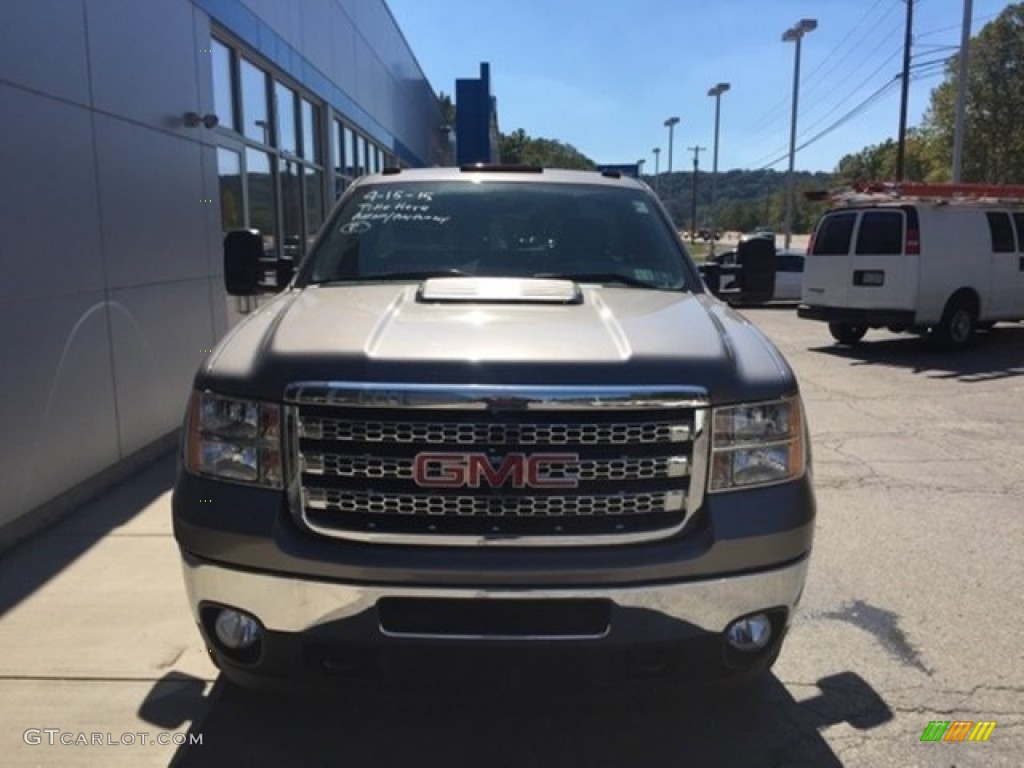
<point x="291" y="605"/>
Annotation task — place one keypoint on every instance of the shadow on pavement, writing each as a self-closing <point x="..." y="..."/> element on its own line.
<point x="37" y="559"/>
<point x="995" y="354"/>
<point x="530" y="725"/>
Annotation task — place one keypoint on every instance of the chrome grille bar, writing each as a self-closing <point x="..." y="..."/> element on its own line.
<point x="502" y="506"/>
<point x="494" y="433"/>
<point x="377" y="467"/>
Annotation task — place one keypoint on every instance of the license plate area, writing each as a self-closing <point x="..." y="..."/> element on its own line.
<point x="494" y="618"/>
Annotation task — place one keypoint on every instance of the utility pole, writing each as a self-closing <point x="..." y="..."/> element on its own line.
<point x="901" y="146"/>
<point x="693" y="211"/>
<point x="961" y="94"/>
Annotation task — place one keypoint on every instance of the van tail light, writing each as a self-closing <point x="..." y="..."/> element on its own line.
<point x="810" y="242"/>
<point x="913" y="245"/>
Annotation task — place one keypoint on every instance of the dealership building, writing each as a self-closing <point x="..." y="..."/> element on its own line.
<point x="135" y="133"/>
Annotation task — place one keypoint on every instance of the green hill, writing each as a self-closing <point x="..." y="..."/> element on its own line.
<point x="745" y="199"/>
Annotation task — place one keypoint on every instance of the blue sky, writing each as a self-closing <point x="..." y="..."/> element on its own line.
<point x="603" y="75"/>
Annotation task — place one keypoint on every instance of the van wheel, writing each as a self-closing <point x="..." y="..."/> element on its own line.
<point x="957" y="326"/>
<point x="847" y="333"/>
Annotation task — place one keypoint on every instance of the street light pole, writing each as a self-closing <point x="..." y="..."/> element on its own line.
<point x="671" y="123"/>
<point x="657" y="170"/>
<point x="693" y="208"/>
<point x="715" y="92"/>
<point x="794" y="34"/>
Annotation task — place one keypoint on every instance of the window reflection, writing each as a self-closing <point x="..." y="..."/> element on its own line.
<point x="254" y="102"/>
<point x="291" y="209"/>
<point x="261" y="197"/>
<point x="286" y="140"/>
<point x="223" y="87"/>
<point x="350" y="153"/>
<point x="229" y="173"/>
<point x="310" y="132"/>
<point x="360" y="155"/>
<point x="314" y="201"/>
<point x="337" y="148"/>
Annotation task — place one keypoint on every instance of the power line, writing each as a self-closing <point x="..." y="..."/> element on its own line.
<point x="939" y="30"/>
<point x="874" y="97"/>
<point x="850" y="94"/>
<point x="811" y="106"/>
<point x="870" y="101"/>
<point x="772" y="117"/>
<point x="810" y="85"/>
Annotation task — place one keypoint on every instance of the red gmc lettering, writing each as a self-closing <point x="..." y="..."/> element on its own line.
<point x="439" y="470"/>
<point x="511" y="467"/>
<point x="473" y="470"/>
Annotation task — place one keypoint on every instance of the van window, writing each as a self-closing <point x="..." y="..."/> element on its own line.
<point x="1002" y="232"/>
<point x="1018" y="219"/>
<point x="833" y="236"/>
<point x="789" y="262"/>
<point x="880" y="232"/>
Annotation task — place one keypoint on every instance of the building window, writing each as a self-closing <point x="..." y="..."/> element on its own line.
<point x="291" y="209"/>
<point x="286" y="137"/>
<point x="313" y="182"/>
<point x="311" y="132"/>
<point x="351" y="164"/>
<point x="256" y="125"/>
<point x="260" y="202"/>
<point x="229" y="173"/>
<point x="223" y="85"/>
<point x="360" y="155"/>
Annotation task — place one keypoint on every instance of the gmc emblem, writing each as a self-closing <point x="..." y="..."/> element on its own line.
<point x="516" y="470"/>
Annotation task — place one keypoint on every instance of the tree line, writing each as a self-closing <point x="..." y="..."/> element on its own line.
<point x="993" y="149"/>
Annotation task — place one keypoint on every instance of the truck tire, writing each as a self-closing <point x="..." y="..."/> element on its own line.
<point x="956" y="328"/>
<point x="847" y="333"/>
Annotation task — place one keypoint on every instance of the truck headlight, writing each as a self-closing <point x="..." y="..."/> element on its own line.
<point x="758" y="444"/>
<point x="234" y="439"/>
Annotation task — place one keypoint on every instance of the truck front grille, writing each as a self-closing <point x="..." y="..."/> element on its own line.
<point x="419" y="464"/>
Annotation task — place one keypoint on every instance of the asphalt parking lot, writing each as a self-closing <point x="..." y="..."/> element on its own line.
<point x="912" y="613"/>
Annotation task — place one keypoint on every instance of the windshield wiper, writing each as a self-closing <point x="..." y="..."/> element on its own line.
<point x="598" y="277"/>
<point x="421" y="274"/>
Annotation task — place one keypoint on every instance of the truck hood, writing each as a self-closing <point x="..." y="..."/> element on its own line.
<point x="387" y="333"/>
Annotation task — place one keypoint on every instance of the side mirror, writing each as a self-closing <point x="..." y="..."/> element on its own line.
<point x="243" y="253"/>
<point x="711" y="271"/>
<point x="285" y="272"/>
<point x="756" y="258"/>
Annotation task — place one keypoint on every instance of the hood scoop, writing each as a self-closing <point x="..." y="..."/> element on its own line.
<point x="500" y="290"/>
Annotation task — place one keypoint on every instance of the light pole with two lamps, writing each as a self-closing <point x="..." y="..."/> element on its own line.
<point x="716" y="93"/>
<point x="794" y="35"/>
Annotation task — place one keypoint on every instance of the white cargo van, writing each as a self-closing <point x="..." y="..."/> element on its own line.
<point x="938" y="258"/>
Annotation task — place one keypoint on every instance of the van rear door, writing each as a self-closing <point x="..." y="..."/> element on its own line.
<point x="827" y="268"/>
<point x="884" y="259"/>
<point x="864" y="258"/>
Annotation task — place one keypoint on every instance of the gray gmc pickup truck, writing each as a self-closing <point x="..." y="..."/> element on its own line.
<point x="495" y="414"/>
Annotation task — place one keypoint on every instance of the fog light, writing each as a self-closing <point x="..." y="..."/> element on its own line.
<point x="750" y="633"/>
<point x="236" y="630"/>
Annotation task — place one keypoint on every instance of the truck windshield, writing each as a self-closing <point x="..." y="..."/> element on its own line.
<point x="413" y="230"/>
